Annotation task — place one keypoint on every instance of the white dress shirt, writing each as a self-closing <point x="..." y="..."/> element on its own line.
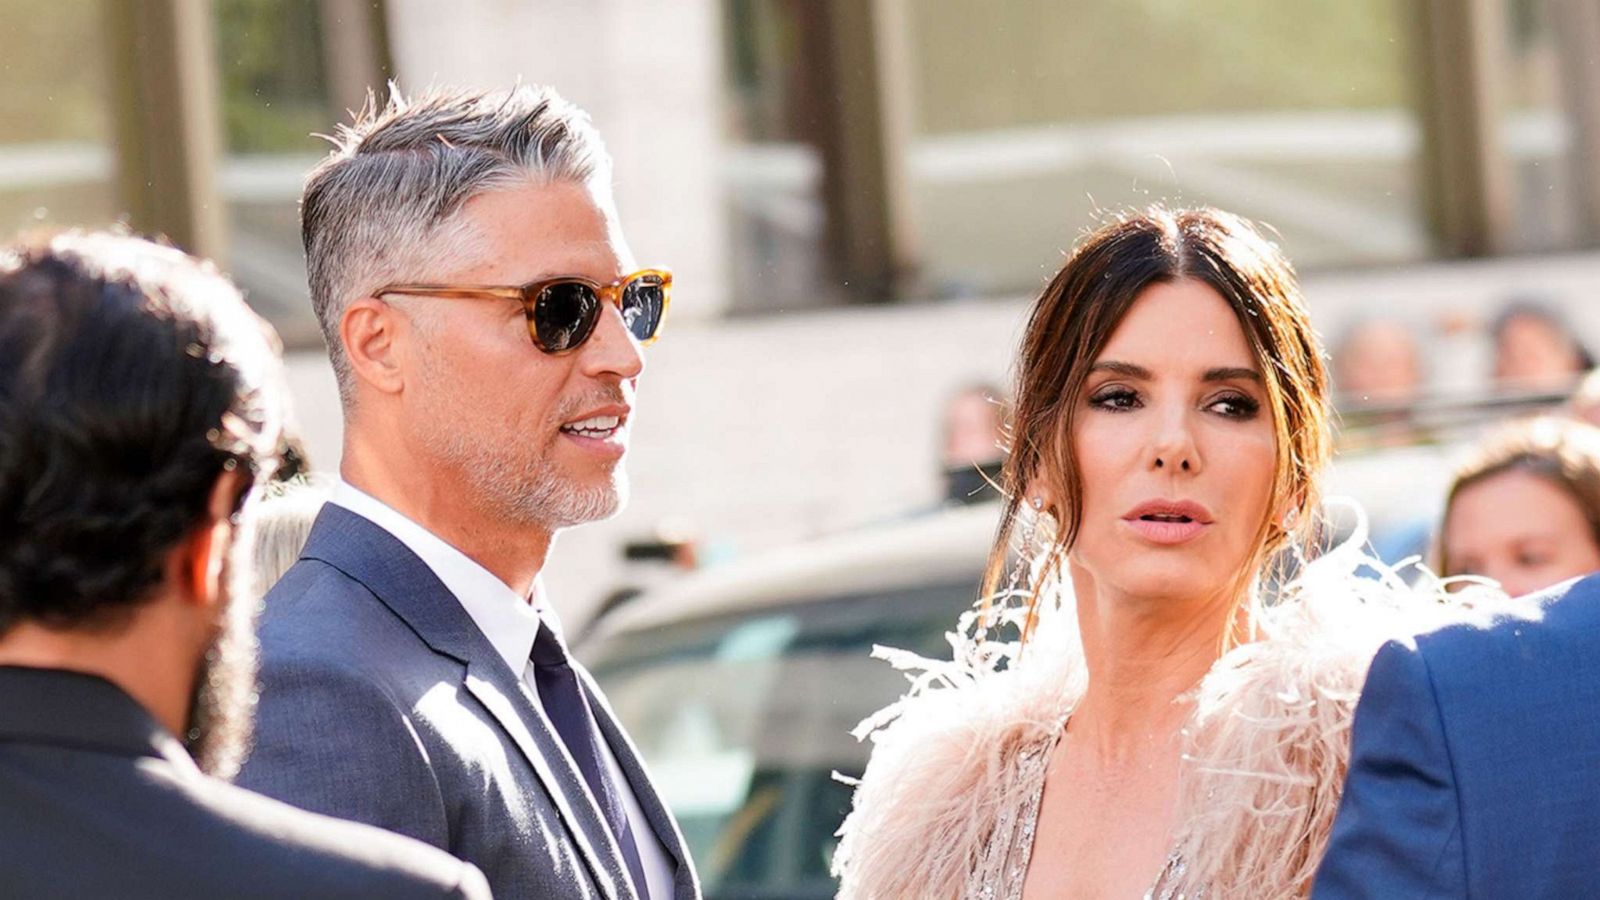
<point x="510" y="623"/>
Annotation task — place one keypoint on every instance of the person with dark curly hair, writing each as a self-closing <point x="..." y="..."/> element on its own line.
<point x="140" y="401"/>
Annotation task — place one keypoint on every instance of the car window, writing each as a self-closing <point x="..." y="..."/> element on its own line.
<point x="743" y="720"/>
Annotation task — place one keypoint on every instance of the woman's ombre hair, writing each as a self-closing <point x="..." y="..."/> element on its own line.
<point x="1068" y="329"/>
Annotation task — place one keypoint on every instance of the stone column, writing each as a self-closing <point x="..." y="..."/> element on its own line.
<point x="168" y="130"/>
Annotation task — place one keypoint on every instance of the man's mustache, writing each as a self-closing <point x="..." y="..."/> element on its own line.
<point x="610" y="396"/>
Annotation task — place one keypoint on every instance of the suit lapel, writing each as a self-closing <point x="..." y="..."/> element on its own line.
<point x="513" y="710"/>
<point x="685" y="882"/>
<point x="405" y="584"/>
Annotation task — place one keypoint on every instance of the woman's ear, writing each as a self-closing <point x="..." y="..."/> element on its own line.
<point x="1290" y="509"/>
<point x="1039" y="497"/>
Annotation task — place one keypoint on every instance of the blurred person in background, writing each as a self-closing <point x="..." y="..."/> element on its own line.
<point x="284" y="517"/>
<point x="139" y="402"/>
<point x="1584" y="404"/>
<point x="1378" y="360"/>
<point x="647" y="562"/>
<point x="485" y="320"/>
<point x="1155" y="729"/>
<point x="1536" y="349"/>
<point x="1525" y="510"/>
<point x="1378" y="363"/>
<point x="1474" y="751"/>
<point x="972" y="450"/>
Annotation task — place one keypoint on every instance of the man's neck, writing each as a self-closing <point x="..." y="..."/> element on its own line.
<point x="141" y="659"/>
<point x="515" y="555"/>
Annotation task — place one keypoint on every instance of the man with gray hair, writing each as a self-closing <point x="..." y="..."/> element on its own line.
<point x="485" y="321"/>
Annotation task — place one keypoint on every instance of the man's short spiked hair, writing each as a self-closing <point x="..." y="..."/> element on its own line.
<point x="384" y="203"/>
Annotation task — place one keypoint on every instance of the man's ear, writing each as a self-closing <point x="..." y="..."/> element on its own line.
<point x="203" y="552"/>
<point x="371" y="330"/>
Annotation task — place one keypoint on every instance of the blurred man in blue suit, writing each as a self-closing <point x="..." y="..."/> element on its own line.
<point x="1475" y="761"/>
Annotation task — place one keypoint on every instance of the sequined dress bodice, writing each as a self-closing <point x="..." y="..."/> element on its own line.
<point x="1002" y="864"/>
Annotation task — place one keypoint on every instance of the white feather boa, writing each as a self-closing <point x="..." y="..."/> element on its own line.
<point x="1266" y="746"/>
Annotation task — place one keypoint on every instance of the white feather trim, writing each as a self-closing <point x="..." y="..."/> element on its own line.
<point x="1266" y="747"/>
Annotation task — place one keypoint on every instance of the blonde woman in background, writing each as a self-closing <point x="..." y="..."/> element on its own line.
<point x="1524" y="511"/>
<point x="282" y="526"/>
<point x="1158" y="728"/>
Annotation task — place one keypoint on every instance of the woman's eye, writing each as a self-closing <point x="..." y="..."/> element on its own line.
<point x="1236" y="406"/>
<point x="1115" y="399"/>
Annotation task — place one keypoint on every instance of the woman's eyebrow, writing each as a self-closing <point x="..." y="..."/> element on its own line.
<point x="1125" y="369"/>
<point x="1133" y="370"/>
<point x="1232" y="373"/>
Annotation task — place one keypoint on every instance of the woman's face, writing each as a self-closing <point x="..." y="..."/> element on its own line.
<point x="1521" y="529"/>
<point x="1176" y="447"/>
<point x="1532" y="354"/>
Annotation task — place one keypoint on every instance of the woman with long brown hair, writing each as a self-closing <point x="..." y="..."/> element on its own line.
<point x="1156" y="702"/>
<point x="1524" y="510"/>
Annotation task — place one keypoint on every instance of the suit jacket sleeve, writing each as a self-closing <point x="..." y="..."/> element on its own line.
<point x="1398" y="831"/>
<point x="333" y="741"/>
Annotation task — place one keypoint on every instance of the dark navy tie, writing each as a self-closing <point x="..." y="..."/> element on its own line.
<point x="569" y="712"/>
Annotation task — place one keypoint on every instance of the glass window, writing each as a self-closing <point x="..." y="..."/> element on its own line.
<point x="274" y="96"/>
<point x="1031" y="121"/>
<point x="1536" y="130"/>
<point x="56" y="159"/>
<point x="773" y="175"/>
<point x="744" y="720"/>
<point x="1035" y="119"/>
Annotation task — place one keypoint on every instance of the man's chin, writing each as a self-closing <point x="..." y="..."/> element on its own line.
<point x="581" y="505"/>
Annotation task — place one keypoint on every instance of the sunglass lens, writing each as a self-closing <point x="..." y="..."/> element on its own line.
<point x="643" y="300"/>
<point x="564" y="315"/>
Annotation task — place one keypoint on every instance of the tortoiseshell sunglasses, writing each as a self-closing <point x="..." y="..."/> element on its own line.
<point x="562" y="312"/>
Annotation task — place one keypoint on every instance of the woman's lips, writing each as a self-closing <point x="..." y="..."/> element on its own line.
<point x="1166" y="531"/>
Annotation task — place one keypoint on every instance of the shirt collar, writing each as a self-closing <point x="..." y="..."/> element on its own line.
<point x="509" y="622"/>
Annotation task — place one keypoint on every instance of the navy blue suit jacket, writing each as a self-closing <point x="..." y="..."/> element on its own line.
<point x="383" y="703"/>
<point x="1475" y="761"/>
<point x="99" y="800"/>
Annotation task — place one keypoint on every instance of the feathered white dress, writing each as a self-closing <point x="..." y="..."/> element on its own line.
<point x="947" y="805"/>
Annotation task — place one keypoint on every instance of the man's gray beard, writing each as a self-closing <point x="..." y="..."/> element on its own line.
<point x="508" y="493"/>
<point x="222" y="710"/>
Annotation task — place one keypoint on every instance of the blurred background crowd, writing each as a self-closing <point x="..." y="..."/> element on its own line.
<point x="858" y="198"/>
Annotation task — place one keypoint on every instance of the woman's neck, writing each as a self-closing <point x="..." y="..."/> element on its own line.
<point x="1141" y="658"/>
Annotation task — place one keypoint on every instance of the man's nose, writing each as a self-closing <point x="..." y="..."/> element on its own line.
<point x="612" y="349"/>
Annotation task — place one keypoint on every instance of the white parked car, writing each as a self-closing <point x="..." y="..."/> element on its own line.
<point x="741" y="684"/>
